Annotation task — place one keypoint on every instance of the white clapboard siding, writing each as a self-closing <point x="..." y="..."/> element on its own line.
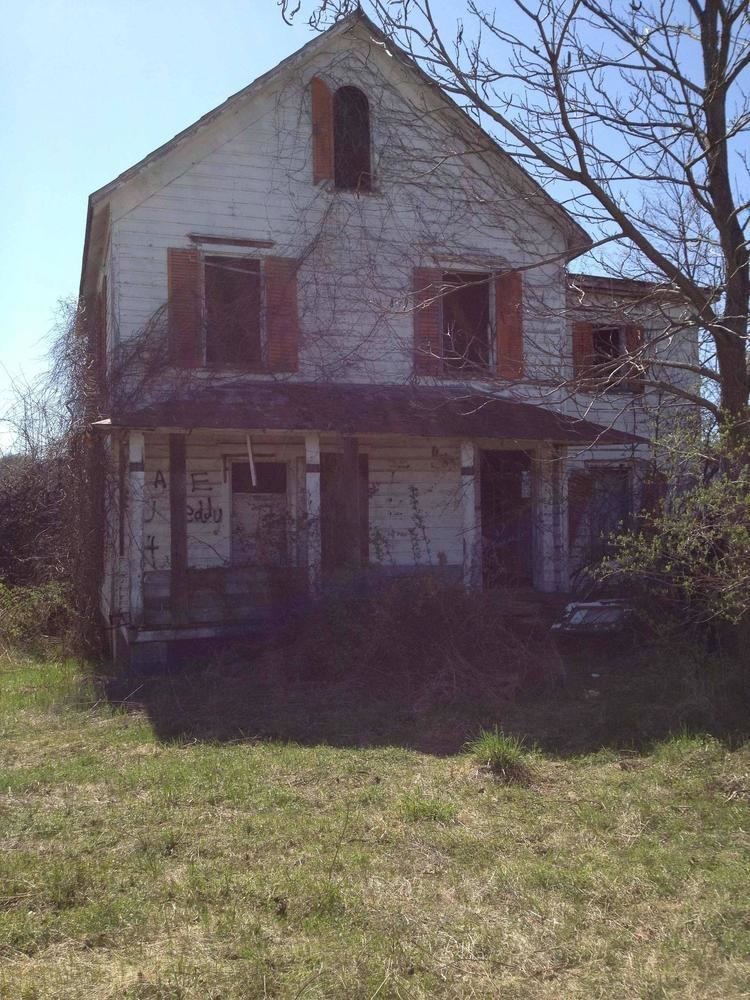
<point x="357" y="251"/>
<point x="414" y="509"/>
<point x="412" y="493"/>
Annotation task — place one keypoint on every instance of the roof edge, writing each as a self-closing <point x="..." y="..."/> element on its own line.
<point x="563" y="217"/>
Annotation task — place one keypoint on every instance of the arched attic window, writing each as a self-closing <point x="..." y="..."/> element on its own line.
<point x="351" y="140"/>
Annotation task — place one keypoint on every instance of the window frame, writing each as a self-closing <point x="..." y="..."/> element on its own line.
<point x="451" y="368"/>
<point x="371" y="185"/>
<point x="611" y="380"/>
<point x="286" y="546"/>
<point x="262" y="364"/>
<point x="584" y="476"/>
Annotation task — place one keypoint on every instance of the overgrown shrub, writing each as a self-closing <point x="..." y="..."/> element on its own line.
<point x="29" y="616"/>
<point x="52" y="487"/>
<point x="695" y="552"/>
<point x="433" y="642"/>
<point x="32" y="519"/>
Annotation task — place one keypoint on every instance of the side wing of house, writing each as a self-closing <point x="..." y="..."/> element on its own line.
<point x="634" y="363"/>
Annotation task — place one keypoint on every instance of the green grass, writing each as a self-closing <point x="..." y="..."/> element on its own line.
<point x="139" y="867"/>
<point x="504" y="756"/>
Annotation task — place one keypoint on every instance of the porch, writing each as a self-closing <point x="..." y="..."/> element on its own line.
<point x="218" y="529"/>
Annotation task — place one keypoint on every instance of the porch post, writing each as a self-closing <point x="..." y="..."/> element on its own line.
<point x="470" y="533"/>
<point x="560" y="494"/>
<point x="350" y="500"/>
<point x="136" y="482"/>
<point x="312" y="496"/>
<point x="550" y="519"/>
<point x="178" y="581"/>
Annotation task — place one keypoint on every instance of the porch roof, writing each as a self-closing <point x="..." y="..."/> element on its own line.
<point x="420" y="411"/>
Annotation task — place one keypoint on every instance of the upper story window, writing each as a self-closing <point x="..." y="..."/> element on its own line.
<point x="466" y="322"/>
<point x="609" y="356"/>
<point x="341" y="136"/>
<point x="233" y="311"/>
<point x="607" y="344"/>
<point x="351" y="140"/>
<point x="226" y="310"/>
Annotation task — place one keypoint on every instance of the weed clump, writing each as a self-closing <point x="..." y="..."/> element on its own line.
<point x="506" y="757"/>
<point x="417" y="807"/>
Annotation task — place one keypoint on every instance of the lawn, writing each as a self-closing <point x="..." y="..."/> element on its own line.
<point x="141" y="864"/>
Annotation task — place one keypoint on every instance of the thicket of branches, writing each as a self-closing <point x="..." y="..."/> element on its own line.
<point x="636" y="116"/>
<point x="51" y="489"/>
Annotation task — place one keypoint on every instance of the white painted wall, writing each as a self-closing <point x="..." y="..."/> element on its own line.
<point x="433" y="203"/>
<point x="414" y="505"/>
<point x="248" y="174"/>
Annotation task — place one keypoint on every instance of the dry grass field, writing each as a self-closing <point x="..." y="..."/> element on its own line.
<point x="139" y="863"/>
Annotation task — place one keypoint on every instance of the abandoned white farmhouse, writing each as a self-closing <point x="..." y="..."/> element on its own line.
<point x="335" y="333"/>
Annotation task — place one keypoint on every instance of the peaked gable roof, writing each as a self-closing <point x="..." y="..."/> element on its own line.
<point x="97" y="222"/>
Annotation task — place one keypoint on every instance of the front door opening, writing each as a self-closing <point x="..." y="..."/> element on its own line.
<point x="506" y="515"/>
<point x="259" y="514"/>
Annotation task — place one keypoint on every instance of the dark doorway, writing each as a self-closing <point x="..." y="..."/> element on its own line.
<point x="599" y="506"/>
<point x="505" y="497"/>
<point x="344" y="514"/>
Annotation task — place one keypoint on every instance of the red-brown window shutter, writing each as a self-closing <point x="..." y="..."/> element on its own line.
<point x="428" y="331"/>
<point x="509" y="324"/>
<point x="633" y="339"/>
<point x="185" y="307"/>
<point x="583" y="349"/>
<point x="322" y="130"/>
<point x="282" y="316"/>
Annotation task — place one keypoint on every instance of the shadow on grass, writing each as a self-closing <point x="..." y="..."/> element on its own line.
<point x="608" y="697"/>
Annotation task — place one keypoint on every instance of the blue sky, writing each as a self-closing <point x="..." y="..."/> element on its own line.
<point x="88" y="87"/>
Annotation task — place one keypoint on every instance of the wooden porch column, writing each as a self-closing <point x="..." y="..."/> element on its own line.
<point x="560" y="500"/>
<point x="350" y="501"/>
<point x="178" y="589"/>
<point x="136" y="482"/>
<point x="550" y="519"/>
<point x="470" y="526"/>
<point x="312" y="497"/>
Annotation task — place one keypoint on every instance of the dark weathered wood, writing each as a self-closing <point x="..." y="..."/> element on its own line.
<point x="344" y="508"/>
<point x="424" y="411"/>
<point x="509" y="324"/>
<point x="185" y="328"/>
<point x="332" y="546"/>
<point x="321" y="99"/>
<point x="230" y="241"/>
<point x="178" y="529"/>
<point x="350" y="502"/>
<point x="364" y="508"/>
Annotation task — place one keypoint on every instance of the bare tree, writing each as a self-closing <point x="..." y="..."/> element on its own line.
<point x="636" y="115"/>
<point x="52" y="478"/>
